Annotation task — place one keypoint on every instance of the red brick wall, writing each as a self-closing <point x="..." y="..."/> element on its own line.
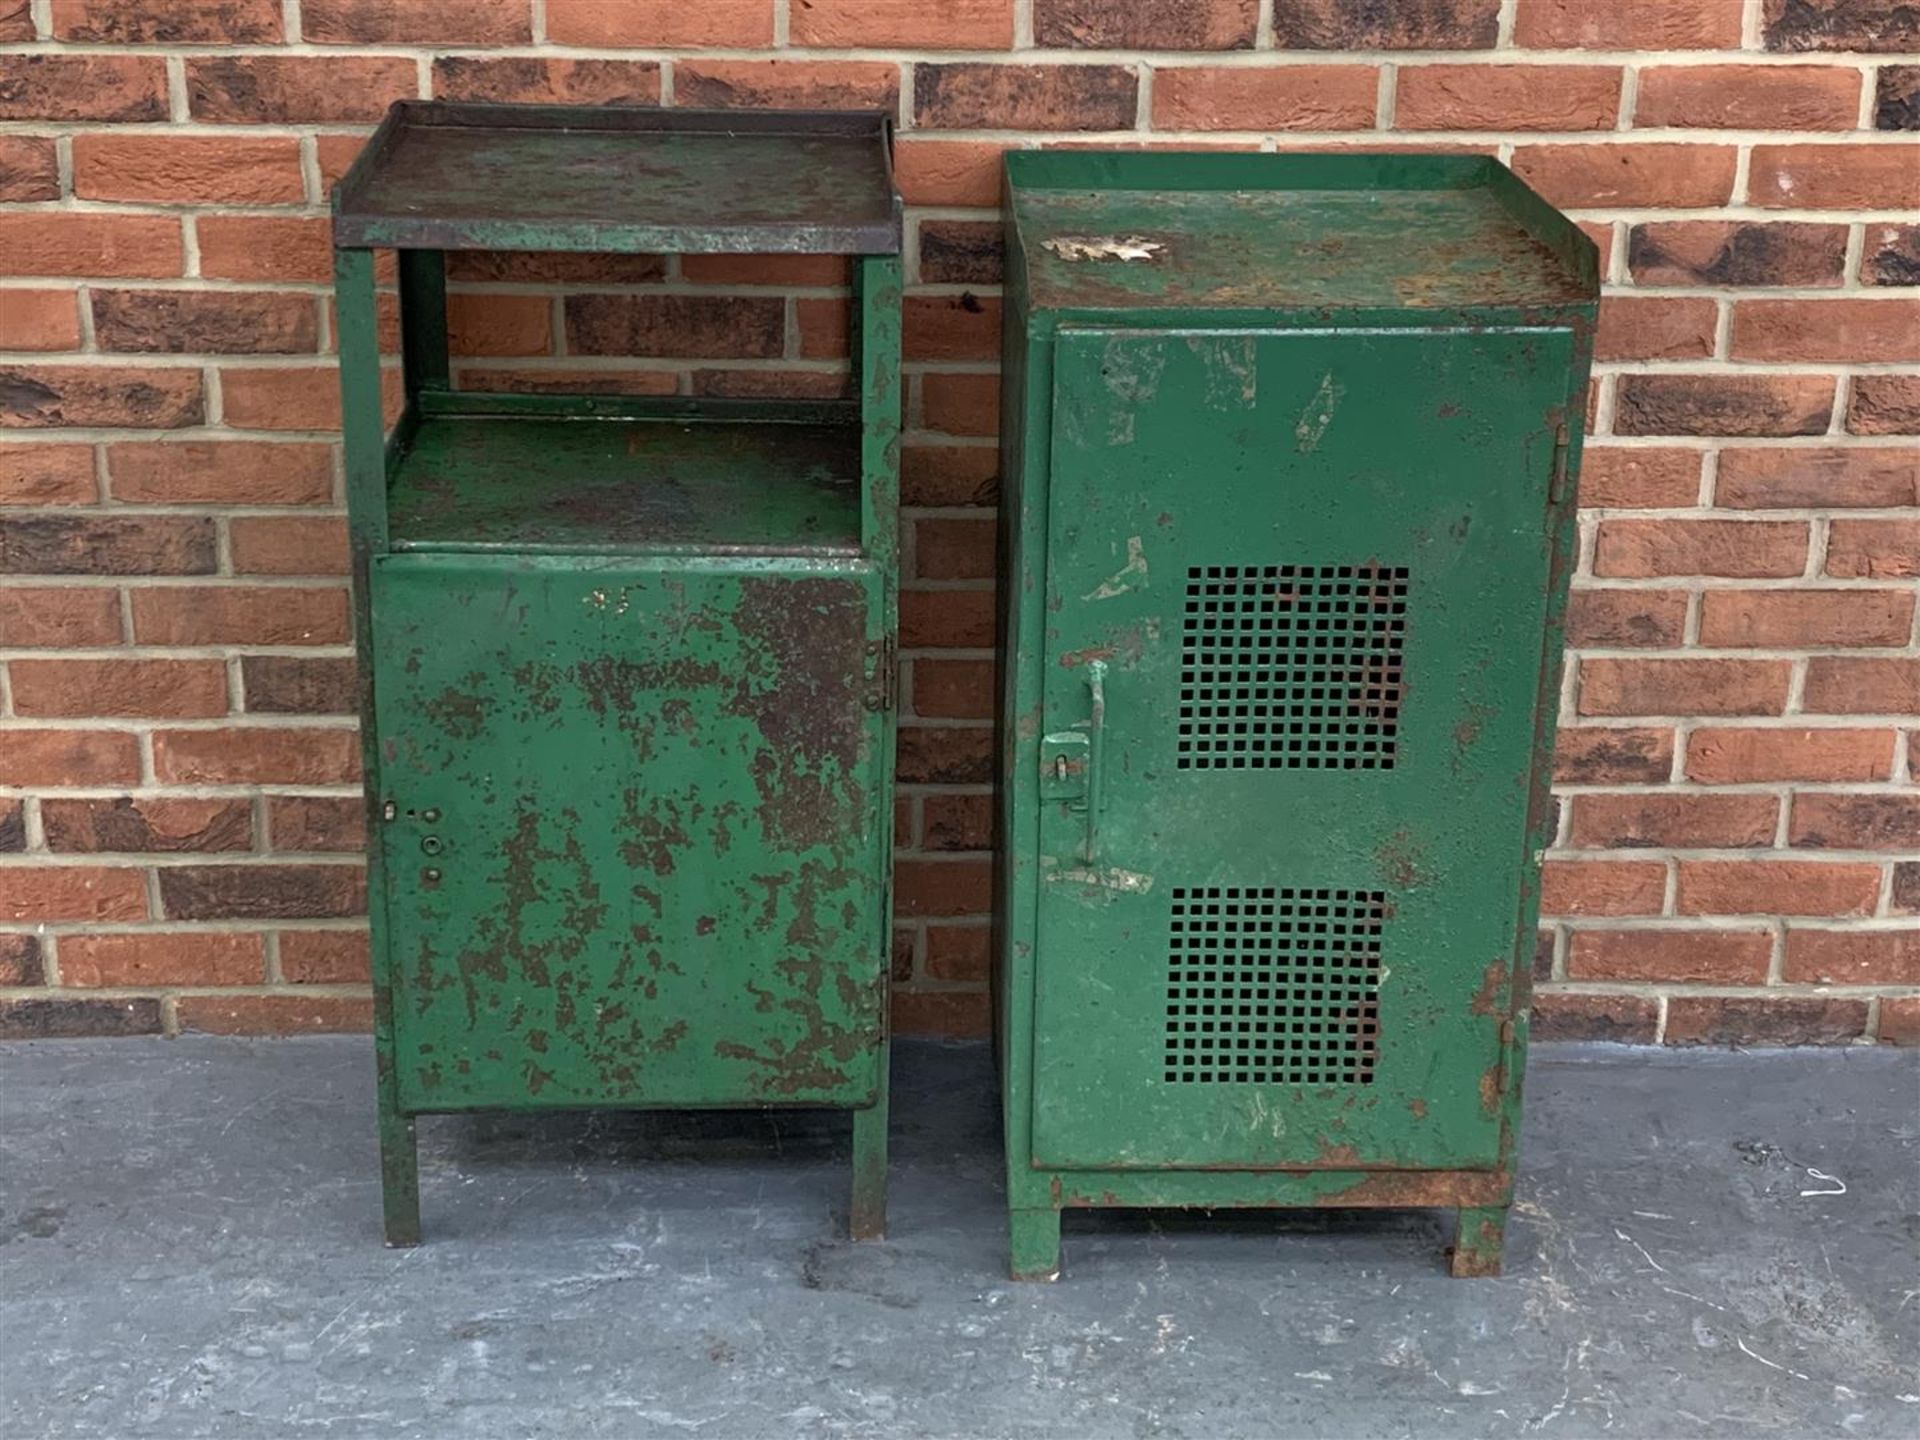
<point x="1736" y="859"/>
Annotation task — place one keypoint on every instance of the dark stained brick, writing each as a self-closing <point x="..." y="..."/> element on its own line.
<point x="179" y="322"/>
<point x="1878" y="26"/>
<point x="1387" y="24"/>
<point x="960" y="252"/>
<point x="21" y="961"/>
<point x="107" y="545"/>
<point x="48" y="1019"/>
<point x="298" y="685"/>
<point x="263" y="892"/>
<point x="684" y="326"/>
<point x="1024" y="97"/>
<point x="1896" y="99"/>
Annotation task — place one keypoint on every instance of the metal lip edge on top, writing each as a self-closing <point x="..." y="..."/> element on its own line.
<point x="359" y="222"/>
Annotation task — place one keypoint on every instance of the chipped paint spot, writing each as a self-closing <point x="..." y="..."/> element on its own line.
<point x="1123" y="579"/>
<point x="1106" y="877"/>
<point x="1311" y="428"/>
<point x="1125" y="248"/>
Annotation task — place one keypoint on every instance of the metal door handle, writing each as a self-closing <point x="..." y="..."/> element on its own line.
<point x="1096" y="748"/>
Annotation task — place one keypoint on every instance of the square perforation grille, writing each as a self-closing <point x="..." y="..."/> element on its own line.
<point x="1273" y="987"/>
<point x="1293" y="667"/>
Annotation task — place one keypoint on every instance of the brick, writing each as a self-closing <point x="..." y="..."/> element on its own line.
<point x="1834" y="177"/>
<point x="1842" y="821"/>
<point x="72" y="892"/>
<point x="957" y="822"/>
<point x="762" y="384"/>
<point x="240" y="615"/>
<point x="147" y="824"/>
<point x="789" y="270"/>
<point x="1760" y="405"/>
<point x="1640" y="478"/>
<point x="256" y="756"/>
<point x="60" y="395"/>
<point x="1860" y="685"/>
<point x="1507" y="97"/>
<point x="262" y="892"/>
<point x="64" y="617"/>
<point x="1626" y="619"/>
<point x="1891" y="256"/>
<point x="1740" y="548"/>
<point x="1683" y="687"/>
<point x="1874" y="549"/>
<point x="1650" y="174"/>
<point x="182" y="169"/>
<point x="1752" y="479"/>
<point x="1852" y="957"/>
<point x="1676" y="820"/>
<point x="951" y="327"/>
<point x="1884" y="405"/>
<point x="288" y="545"/>
<point x="1851" y="331"/>
<point x="13" y="830"/>
<point x="129" y="246"/>
<point x="275" y="1014"/>
<point x="948" y="172"/>
<point x="1742" y="1020"/>
<point x="66" y="1017"/>
<point x="1645" y="328"/>
<point x="1870" y="25"/>
<point x="1024" y="97"/>
<point x="46" y="474"/>
<point x="729" y="327"/>
<point x="29" y="169"/>
<point x="176" y="957"/>
<point x="946" y="887"/>
<point x="499" y="324"/>
<point x="823" y="326"/>
<point x="1748" y="97"/>
<point x="553" y="267"/>
<point x="316" y="822"/>
<point x="1666" y="25"/>
<point x="953" y="689"/>
<point x="1616" y="1019"/>
<point x="1720" y="755"/>
<point x="437" y="22"/>
<point x="300" y="398"/>
<point x="21" y="961"/>
<point x="220" y="473"/>
<point x="559" y="382"/>
<point x="264" y="247"/>
<point x="1900" y="1020"/>
<point x="82" y="87"/>
<point x="17" y="24"/>
<point x="1292" y="97"/>
<point x="178" y="689"/>
<point x="544" y="81"/>
<point x="949" y="475"/>
<point x="205" y="322"/>
<point x="1143" y="24"/>
<point x="906" y="24"/>
<point x="1737" y="253"/>
<point x="296" y="90"/>
<point x="1798" y="618"/>
<point x="1776" y="887"/>
<point x="960" y="404"/>
<point x="1707" y="957"/>
<point x="1421" y="25"/>
<point x="169" y="22"/>
<point x="662" y="24"/>
<point x="1612" y="755"/>
<point x="788" y="84"/>
<point x="1896" y="98"/>
<point x="954" y="1014"/>
<point x="960" y="954"/>
<point x="944" y="755"/>
<point x="1573" y="887"/>
<point x="325" y="957"/>
<point x="1905" y="896"/>
<point x="953" y="549"/>
<point x="960" y="252"/>
<point x="946" y="619"/>
<point x="40" y="320"/>
<point x="107" y="545"/>
<point x="298" y="684"/>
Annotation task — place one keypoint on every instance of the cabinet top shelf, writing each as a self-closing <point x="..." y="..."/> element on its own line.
<point x="613" y="179"/>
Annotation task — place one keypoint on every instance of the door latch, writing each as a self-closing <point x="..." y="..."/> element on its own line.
<point x="1063" y="766"/>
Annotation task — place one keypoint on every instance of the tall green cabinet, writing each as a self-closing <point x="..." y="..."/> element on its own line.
<point x="1290" y="446"/>
<point x="626" y="663"/>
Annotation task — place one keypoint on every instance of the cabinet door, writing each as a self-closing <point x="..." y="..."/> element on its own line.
<point x="1296" y="594"/>
<point x="637" y="846"/>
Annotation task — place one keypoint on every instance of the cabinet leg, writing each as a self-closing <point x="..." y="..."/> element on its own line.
<point x="867" y="1217"/>
<point x="1482" y="1237"/>
<point x="1035" y="1237"/>
<point x="399" y="1178"/>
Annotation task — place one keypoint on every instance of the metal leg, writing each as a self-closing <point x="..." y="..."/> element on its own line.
<point x="1483" y="1233"/>
<point x="399" y="1178"/>
<point x="1036" y="1243"/>
<point x="867" y="1218"/>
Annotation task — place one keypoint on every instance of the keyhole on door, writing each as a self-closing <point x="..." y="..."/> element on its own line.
<point x="1060" y="767"/>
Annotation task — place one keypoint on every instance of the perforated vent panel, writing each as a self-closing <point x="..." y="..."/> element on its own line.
<point x="1291" y="667"/>
<point x="1273" y="987"/>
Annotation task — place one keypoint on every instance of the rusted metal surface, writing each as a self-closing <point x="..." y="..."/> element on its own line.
<point x="1291" y="473"/>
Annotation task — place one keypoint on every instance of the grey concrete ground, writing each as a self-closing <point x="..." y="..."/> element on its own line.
<point x="188" y="1247"/>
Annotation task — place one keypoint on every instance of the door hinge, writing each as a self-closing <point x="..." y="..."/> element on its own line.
<point x="1557" y="494"/>
<point x="883" y="685"/>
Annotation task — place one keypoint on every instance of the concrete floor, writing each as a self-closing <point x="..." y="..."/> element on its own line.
<point x="189" y="1247"/>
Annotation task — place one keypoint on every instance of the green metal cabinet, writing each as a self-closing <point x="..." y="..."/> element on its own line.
<point x="627" y="663"/>
<point x="1290" y="446"/>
